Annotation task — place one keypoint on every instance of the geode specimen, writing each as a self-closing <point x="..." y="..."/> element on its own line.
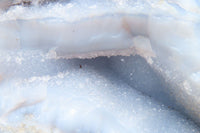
<point x="99" y="66"/>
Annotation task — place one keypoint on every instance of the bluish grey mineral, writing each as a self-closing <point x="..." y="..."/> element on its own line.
<point x="99" y="66"/>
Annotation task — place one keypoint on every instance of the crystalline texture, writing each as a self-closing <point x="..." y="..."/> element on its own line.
<point x="163" y="33"/>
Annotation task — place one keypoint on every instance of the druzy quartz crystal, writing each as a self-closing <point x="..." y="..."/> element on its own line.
<point x="100" y="66"/>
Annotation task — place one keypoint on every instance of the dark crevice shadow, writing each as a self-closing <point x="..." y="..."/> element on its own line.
<point x="141" y="76"/>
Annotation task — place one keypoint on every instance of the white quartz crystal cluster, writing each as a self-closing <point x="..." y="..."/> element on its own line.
<point x="100" y="66"/>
